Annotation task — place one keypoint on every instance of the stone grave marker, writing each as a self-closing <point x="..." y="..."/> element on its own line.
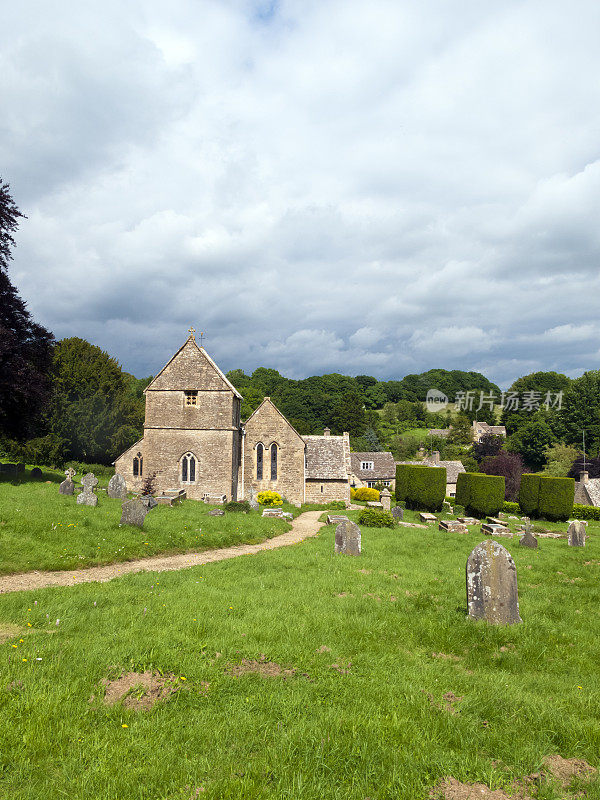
<point x="427" y="518"/>
<point x="493" y="529"/>
<point x="452" y="526"/>
<point x="148" y="501"/>
<point x="374" y="504"/>
<point x="134" y="512"/>
<point x="492" y="584"/>
<point x="35" y="474"/>
<point x="576" y="534"/>
<point x="216" y="512"/>
<point x="528" y="539"/>
<point x="67" y="486"/>
<point x="117" y="488"/>
<point x="70" y="473"/>
<point x="398" y="513"/>
<point x="468" y="520"/>
<point x="272" y="512"/>
<point x="347" y="538"/>
<point x="87" y="497"/>
<point x="253" y="501"/>
<point x="335" y="519"/>
<point x="386" y="500"/>
<point x="495" y="521"/>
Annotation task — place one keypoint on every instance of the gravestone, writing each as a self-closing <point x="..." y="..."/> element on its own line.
<point x="70" y="473"/>
<point x="374" y="504"/>
<point x="493" y="529"/>
<point x="452" y="526"/>
<point x="9" y="469"/>
<point x="216" y="512"/>
<point x="528" y="539"/>
<point x="272" y="512"/>
<point x="576" y="534"/>
<point x="20" y="467"/>
<point x="35" y="474"/>
<point x="134" y="512"/>
<point x="117" y="488"/>
<point x="424" y="516"/>
<point x="66" y="487"/>
<point x="386" y="500"/>
<point x="398" y="513"/>
<point x="492" y="584"/>
<point x="347" y="538"/>
<point x="87" y="496"/>
<point x="335" y="519"/>
<point x="148" y="501"/>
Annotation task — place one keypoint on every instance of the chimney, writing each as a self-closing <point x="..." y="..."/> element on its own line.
<point x="326" y="432"/>
<point x="435" y="457"/>
<point x="584" y="477"/>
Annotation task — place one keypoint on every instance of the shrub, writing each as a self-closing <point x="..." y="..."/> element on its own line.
<point x="586" y="512"/>
<point x="237" y="506"/>
<point x="375" y="518"/>
<point x="370" y="495"/>
<point x="543" y="496"/>
<point x="480" y="494"/>
<point x="149" y="484"/>
<point x="421" y="487"/>
<point x="337" y="505"/>
<point x="269" y="498"/>
<point x="511" y="508"/>
<point x="459" y="511"/>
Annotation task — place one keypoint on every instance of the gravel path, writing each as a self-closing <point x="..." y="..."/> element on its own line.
<point x="305" y="525"/>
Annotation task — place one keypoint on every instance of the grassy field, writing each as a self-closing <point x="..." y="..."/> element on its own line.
<point x="372" y="647"/>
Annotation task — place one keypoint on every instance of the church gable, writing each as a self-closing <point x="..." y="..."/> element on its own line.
<point x="269" y="417"/>
<point x="191" y="368"/>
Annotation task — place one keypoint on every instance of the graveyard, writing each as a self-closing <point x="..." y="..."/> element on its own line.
<point x="301" y="672"/>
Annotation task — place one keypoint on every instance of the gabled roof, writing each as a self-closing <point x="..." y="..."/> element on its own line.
<point x="131" y="447"/>
<point x="267" y="402"/>
<point x="453" y="469"/>
<point x="384" y="466"/>
<point x="201" y="352"/>
<point x="592" y="488"/>
<point x="325" y="457"/>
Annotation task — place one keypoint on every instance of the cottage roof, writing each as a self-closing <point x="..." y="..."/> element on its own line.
<point x="325" y="457"/>
<point x="592" y="488"/>
<point x="497" y="430"/>
<point x="442" y="432"/>
<point x="384" y="466"/>
<point x="453" y="469"/>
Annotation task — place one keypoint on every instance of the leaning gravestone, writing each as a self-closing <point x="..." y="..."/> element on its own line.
<point x="398" y="512"/>
<point x="492" y="584"/>
<point x="134" y="512"/>
<point x="87" y="496"/>
<point x="216" y="512"/>
<point x="117" y="488"/>
<point x="35" y="474"/>
<point x="148" y="501"/>
<point x="67" y="486"/>
<point x="528" y="539"/>
<point x="347" y="538"/>
<point x="576" y="534"/>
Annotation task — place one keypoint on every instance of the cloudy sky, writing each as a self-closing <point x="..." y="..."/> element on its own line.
<point x="372" y="187"/>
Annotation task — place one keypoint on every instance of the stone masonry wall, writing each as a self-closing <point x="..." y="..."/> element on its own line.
<point x="324" y="491"/>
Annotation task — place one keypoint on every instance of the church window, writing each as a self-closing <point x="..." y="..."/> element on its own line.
<point x="259" y="461"/>
<point x="138" y="463"/>
<point x="188" y="468"/>
<point x="273" y="462"/>
<point x="191" y="397"/>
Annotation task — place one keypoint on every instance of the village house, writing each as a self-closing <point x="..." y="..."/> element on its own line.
<point x="587" y="490"/>
<point x="453" y="469"/>
<point x="369" y="469"/>
<point x="194" y="440"/>
<point x="482" y="429"/>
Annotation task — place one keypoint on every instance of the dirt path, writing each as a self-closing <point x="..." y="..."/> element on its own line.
<point x="305" y="525"/>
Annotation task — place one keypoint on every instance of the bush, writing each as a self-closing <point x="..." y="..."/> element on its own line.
<point x="375" y="518"/>
<point x="337" y="505"/>
<point x="237" y="506"/>
<point x="421" y="487"/>
<point x="459" y="511"/>
<point x="269" y="498"/>
<point x="546" y="497"/>
<point x="480" y="494"/>
<point x="370" y="495"/>
<point x="511" y="508"/>
<point x="586" y="512"/>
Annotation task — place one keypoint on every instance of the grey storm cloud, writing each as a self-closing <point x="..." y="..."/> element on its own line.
<point x="319" y="186"/>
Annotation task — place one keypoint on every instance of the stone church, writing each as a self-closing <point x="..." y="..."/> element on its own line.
<point x="194" y="439"/>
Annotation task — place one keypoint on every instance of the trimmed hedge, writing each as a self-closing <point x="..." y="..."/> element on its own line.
<point x="421" y="487"/>
<point x="511" y="508"/>
<point x="586" y="512"/>
<point x="480" y="494"/>
<point x="549" y="498"/>
<point x="375" y="518"/>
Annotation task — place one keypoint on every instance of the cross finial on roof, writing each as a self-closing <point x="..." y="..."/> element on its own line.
<point x="201" y="338"/>
<point x="191" y="332"/>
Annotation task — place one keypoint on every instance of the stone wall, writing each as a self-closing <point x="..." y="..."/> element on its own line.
<point x="324" y="491"/>
<point x="216" y="409"/>
<point x="268" y="426"/>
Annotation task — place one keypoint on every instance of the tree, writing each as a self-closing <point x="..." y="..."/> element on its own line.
<point x="531" y="442"/>
<point x="488" y="446"/>
<point x="25" y="346"/>
<point x="462" y="431"/>
<point x="531" y="392"/>
<point x="560" y="459"/>
<point x="510" y="465"/>
<point x="373" y="443"/>
<point x="349" y="415"/>
<point x="592" y="467"/>
<point x="580" y="412"/>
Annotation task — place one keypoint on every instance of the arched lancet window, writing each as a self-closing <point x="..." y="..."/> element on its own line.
<point x="188" y="468"/>
<point x="273" y="462"/>
<point x="138" y="466"/>
<point x="259" y="461"/>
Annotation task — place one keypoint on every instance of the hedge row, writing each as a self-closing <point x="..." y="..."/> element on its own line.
<point x="586" y="512"/>
<point x="511" y="508"/>
<point x="421" y="487"/>
<point x="480" y="494"/>
<point x="550" y="498"/>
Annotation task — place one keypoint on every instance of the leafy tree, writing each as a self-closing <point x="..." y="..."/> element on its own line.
<point x="488" y="446"/>
<point x="508" y="464"/>
<point x="375" y="396"/>
<point x="581" y="412"/>
<point x="25" y="346"/>
<point x="560" y="459"/>
<point x="373" y="443"/>
<point x="462" y="431"/>
<point x="531" y="442"/>
<point x="251" y="399"/>
<point x="365" y="381"/>
<point x="531" y="392"/>
<point x="349" y="415"/>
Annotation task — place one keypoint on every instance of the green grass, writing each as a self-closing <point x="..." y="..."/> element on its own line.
<point x="396" y="614"/>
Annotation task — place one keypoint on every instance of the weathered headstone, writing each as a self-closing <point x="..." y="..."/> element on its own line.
<point x="335" y="519"/>
<point x="528" y="539"/>
<point x="576" y="534"/>
<point x="426" y="517"/>
<point x="272" y="512"/>
<point x="254" y="504"/>
<point x="148" y="501"/>
<point x="134" y="512"/>
<point x="87" y="496"/>
<point x="117" y="488"/>
<point x="35" y="474"/>
<point x="493" y="529"/>
<point x="70" y="473"/>
<point x="347" y="538"/>
<point x="398" y="512"/>
<point x="386" y="500"/>
<point x="66" y="487"/>
<point x="374" y="504"/>
<point x="216" y="512"/>
<point x="492" y="584"/>
<point x="452" y="526"/>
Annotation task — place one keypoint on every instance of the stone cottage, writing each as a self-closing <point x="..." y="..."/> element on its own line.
<point x="194" y="440"/>
<point x="373" y="468"/>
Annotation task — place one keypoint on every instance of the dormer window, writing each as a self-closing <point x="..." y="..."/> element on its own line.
<point x="191" y="397"/>
<point x="366" y="465"/>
